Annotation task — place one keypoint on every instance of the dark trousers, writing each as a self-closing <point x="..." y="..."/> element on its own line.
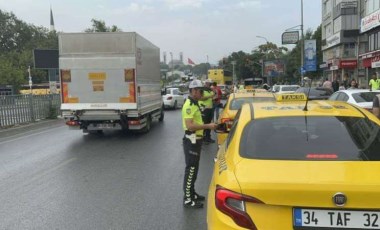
<point x="192" y="156"/>
<point x="207" y="116"/>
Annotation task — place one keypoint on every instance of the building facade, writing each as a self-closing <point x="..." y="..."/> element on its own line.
<point x="370" y="27"/>
<point x="342" y="41"/>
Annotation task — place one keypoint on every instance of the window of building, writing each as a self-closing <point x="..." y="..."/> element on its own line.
<point x="371" y="6"/>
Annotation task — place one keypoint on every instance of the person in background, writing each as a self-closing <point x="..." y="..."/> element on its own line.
<point x="216" y="99"/>
<point x="346" y="82"/>
<point x="335" y="84"/>
<point x="374" y="83"/>
<point x="327" y="84"/>
<point x="341" y="86"/>
<point x="207" y="109"/>
<point x="354" y="84"/>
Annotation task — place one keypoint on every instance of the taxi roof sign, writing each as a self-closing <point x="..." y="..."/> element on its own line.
<point x="291" y="97"/>
<point x="246" y="91"/>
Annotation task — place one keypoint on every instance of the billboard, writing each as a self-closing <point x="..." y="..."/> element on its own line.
<point x="46" y="59"/>
<point x="310" y="60"/>
<point x="274" y="68"/>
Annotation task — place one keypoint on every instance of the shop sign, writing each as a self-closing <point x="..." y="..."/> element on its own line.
<point x="332" y="41"/>
<point x="323" y="65"/>
<point x="370" y="22"/>
<point x="352" y="4"/>
<point x="348" y="64"/>
<point x="375" y="62"/>
<point x="334" y="67"/>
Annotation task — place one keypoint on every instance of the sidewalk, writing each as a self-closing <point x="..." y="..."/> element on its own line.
<point x="38" y="125"/>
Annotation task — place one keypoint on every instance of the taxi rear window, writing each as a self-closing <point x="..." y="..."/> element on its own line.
<point x="311" y="138"/>
<point x="237" y="103"/>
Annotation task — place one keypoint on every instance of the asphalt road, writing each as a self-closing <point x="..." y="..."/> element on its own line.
<point x="55" y="178"/>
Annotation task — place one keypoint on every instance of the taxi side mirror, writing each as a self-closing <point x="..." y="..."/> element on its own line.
<point x="222" y="128"/>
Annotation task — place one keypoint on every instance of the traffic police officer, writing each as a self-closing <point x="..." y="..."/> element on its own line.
<point x="192" y="141"/>
<point x="207" y="109"/>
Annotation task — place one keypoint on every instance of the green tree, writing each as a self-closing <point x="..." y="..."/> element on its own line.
<point x="100" y="26"/>
<point x="17" y="42"/>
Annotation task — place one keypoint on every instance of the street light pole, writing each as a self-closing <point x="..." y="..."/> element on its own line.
<point x="171" y="57"/>
<point x="233" y="72"/>
<point x="266" y="57"/>
<point x="302" y="44"/>
<point x="30" y="80"/>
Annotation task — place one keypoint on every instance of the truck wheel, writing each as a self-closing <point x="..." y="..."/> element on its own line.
<point x="147" y="124"/>
<point x="161" y="118"/>
<point x="175" y="105"/>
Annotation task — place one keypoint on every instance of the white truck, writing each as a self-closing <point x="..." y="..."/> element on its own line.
<point x="109" y="81"/>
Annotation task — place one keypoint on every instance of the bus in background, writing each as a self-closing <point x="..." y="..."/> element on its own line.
<point x="220" y="76"/>
<point x="223" y="78"/>
<point x="253" y="83"/>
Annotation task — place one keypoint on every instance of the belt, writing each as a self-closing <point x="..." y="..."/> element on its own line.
<point x="198" y="137"/>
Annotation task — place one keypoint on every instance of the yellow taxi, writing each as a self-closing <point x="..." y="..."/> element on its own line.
<point x="234" y="103"/>
<point x="292" y="164"/>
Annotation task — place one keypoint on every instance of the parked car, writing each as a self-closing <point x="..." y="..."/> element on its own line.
<point x="280" y="89"/>
<point x="173" y="98"/>
<point x="360" y="97"/>
<point x="316" y="93"/>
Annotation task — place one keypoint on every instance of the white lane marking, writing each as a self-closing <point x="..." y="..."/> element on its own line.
<point x="30" y="135"/>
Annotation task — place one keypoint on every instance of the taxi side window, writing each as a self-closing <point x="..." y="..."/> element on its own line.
<point x="233" y="128"/>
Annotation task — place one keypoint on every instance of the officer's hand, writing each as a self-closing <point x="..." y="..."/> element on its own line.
<point x="212" y="126"/>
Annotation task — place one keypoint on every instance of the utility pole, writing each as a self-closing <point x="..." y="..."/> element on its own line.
<point x="30" y="80"/>
<point x="302" y="45"/>
<point x="233" y="72"/>
<point x="171" y="57"/>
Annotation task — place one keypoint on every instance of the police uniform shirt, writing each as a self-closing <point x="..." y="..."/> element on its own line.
<point x="190" y="110"/>
<point x="208" y="102"/>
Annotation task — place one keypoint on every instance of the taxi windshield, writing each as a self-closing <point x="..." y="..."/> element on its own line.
<point x="237" y="103"/>
<point x="311" y="138"/>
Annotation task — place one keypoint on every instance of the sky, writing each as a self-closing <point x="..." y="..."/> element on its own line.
<point x="200" y="29"/>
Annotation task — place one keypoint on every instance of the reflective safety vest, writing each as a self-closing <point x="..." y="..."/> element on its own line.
<point x="191" y="110"/>
<point x="207" y="104"/>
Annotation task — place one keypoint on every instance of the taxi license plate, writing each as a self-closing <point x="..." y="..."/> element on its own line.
<point x="344" y="219"/>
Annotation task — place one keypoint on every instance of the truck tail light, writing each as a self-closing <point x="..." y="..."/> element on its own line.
<point x="228" y="122"/>
<point x="233" y="205"/>
<point x="72" y="123"/>
<point x="169" y="98"/>
<point x="134" y="122"/>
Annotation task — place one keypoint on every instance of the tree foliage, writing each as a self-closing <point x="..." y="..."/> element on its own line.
<point x="100" y="26"/>
<point x="17" y="42"/>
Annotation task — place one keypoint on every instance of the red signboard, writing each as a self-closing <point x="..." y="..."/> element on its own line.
<point x="348" y="64"/>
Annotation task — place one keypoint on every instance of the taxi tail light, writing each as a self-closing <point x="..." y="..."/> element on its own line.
<point x="228" y="121"/>
<point x="169" y="98"/>
<point x="233" y="205"/>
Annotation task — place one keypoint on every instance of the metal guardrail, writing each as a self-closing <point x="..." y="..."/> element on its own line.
<point x="20" y="109"/>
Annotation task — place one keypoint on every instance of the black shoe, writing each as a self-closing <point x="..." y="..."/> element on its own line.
<point x="209" y="140"/>
<point x="192" y="204"/>
<point x="198" y="197"/>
